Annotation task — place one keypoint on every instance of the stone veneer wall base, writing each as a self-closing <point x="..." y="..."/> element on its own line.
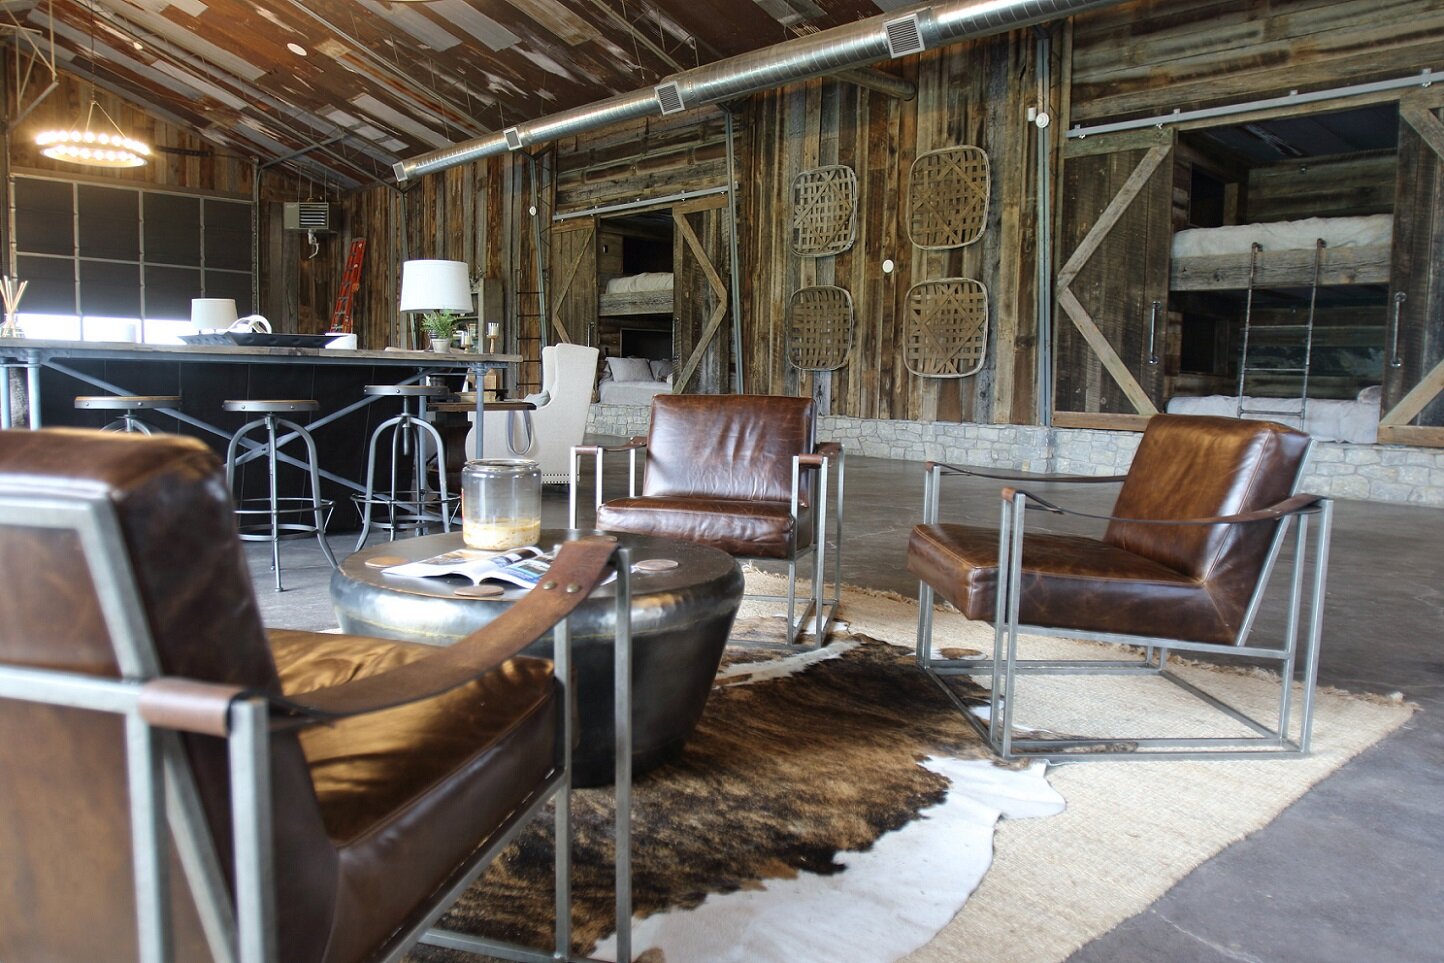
<point x="1381" y="473"/>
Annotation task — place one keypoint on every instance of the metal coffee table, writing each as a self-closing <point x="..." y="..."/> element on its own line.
<point x="681" y="618"/>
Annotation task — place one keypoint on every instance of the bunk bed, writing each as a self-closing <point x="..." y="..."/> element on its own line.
<point x="646" y="293"/>
<point x="1356" y="251"/>
<point x="1310" y="253"/>
<point x="1355" y="421"/>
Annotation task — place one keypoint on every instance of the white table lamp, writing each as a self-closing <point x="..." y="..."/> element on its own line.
<point x="435" y="286"/>
<point x="213" y="314"/>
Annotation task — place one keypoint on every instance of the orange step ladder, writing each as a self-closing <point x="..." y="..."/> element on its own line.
<point x="350" y="283"/>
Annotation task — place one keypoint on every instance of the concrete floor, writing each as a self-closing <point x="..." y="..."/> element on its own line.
<point x="1353" y="871"/>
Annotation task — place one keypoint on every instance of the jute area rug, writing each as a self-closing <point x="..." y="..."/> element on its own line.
<point x="841" y="790"/>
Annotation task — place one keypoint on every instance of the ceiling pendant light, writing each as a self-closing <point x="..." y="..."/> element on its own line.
<point x="94" y="148"/>
<point x="102" y="148"/>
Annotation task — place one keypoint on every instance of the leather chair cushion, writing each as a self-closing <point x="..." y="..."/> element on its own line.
<point x="1070" y="582"/>
<point x="405" y="791"/>
<point x="757" y="529"/>
<point x="1199" y="467"/>
<point x="726" y="446"/>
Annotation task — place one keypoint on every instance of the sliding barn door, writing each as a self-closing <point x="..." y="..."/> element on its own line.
<point x="1112" y="287"/>
<point x="701" y="302"/>
<point x="572" y="282"/>
<point x="1413" y="411"/>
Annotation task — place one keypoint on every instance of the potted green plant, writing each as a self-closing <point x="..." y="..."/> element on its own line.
<point x="439" y="327"/>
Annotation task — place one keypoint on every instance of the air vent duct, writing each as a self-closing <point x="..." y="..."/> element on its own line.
<point x="893" y="34"/>
<point x="306" y="216"/>
<point x="513" y="138"/>
<point x="904" y="35"/>
<point x="669" y="98"/>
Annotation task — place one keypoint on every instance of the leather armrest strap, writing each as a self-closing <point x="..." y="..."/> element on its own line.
<point x="188" y="705"/>
<point x="823" y="453"/>
<point x="1293" y="505"/>
<point x="1021" y="475"/>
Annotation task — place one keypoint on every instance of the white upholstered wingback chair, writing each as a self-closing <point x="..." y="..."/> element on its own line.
<point x="569" y="375"/>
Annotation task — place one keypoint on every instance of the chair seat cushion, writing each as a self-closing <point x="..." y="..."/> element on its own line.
<point x="756" y="529"/>
<point x="407" y="793"/>
<point x="1069" y="581"/>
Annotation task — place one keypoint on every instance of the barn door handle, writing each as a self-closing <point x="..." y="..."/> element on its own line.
<point x="1394" y="360"/>
<point x="1153" y="332"/>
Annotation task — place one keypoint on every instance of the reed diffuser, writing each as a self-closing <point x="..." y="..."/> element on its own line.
<point x="11" y="290"/>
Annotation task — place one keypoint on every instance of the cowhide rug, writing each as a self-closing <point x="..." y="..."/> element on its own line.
<point x="810" y="817"/>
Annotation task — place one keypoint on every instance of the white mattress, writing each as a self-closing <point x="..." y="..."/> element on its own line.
<point x="1364" y="231"/>
<point x="646" y="281"/>
<point x="630" y="392"/>
<point x="1354" y="421"/>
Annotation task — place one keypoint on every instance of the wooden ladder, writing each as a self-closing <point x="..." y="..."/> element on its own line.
<point x="350" y="282"/>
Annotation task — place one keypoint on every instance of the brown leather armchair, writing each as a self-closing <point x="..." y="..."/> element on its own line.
<point x="177" y="784"/>
<point x="742" y="473"/>
<point x="1182" y="565"/>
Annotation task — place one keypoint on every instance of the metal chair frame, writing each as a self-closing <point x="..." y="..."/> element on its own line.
<point x="165" y="801"/>
<point x="416" y="507"/>
<point x="1005" y="666"/>
<point x="274" y="506"/>
<point x="821" y="607"/>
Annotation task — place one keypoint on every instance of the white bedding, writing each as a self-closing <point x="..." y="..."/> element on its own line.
<point x="1365" y="231"/>
<point x="1354" y="421"/>
<point x="630" y="392"/>
<point x="646" y="281"/>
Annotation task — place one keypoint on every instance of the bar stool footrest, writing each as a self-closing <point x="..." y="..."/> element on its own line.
<point x="286" y="505"/>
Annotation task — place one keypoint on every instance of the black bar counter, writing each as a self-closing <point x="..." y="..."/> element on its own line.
<point x="206" y="375"/>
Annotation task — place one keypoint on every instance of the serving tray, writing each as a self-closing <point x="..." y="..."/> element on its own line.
<point x="252" y="339"/>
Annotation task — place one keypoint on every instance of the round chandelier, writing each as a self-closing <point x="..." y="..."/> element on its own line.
<point x="94" y="148"/>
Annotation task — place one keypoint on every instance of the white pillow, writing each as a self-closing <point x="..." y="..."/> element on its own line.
<point x="661" y="369"/>
<point x="629" y="369"/>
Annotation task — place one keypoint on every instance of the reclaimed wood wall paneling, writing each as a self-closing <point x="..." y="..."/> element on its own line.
<point x="1152" y="56"/>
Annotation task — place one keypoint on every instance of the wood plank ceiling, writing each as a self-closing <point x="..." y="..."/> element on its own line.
<point x="360" y="84"/>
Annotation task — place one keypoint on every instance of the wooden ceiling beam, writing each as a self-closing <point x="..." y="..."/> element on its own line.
<point x="875" y="80"/>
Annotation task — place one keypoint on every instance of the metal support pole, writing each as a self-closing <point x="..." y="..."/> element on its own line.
<point x="251" y="814"/>
<point x="148" y="840"/>
<point x="1044" y="230"/>
<point x="32" y="386"/>
<point x="562" y="822"/>
<point x="738" y="381"/>
<point x="622" y="707"/>
<point x="543" y="321"/>
<point x="255" y="236"/>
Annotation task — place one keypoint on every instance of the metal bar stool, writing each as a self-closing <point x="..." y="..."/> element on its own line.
<point x="416" y="506"/>
<point x="259" y="519"/>
<point x="127" y="405"/>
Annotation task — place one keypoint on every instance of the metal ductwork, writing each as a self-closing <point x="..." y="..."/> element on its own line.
<point x="925" y="26"/>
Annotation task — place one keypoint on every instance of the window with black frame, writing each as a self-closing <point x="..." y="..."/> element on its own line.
<point x="122" y="263"/>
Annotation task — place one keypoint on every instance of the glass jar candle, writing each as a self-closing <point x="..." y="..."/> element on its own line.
<point x="500" y="503"/>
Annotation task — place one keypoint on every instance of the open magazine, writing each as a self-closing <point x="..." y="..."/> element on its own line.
<point x="522" y="566"/>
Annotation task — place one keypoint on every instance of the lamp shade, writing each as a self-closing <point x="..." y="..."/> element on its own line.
<point x="207" y="313"/>
<point x="435" y="286"/>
